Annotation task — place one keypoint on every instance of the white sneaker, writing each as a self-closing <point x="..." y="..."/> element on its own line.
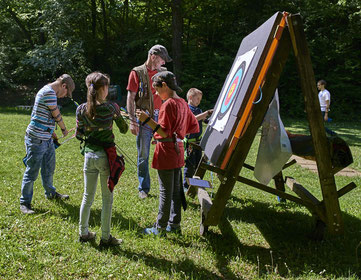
<point x="142" y="194"/>
<point x="112" y="241"/>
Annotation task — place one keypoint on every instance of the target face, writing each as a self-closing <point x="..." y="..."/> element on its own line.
<point x="232" y="90"/>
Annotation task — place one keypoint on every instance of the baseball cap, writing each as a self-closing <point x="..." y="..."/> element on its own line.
<point x="169" y="78"/>
<point x="161" y="51"/>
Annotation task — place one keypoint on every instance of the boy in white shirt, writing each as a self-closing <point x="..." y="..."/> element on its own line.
<point x="324" y="97"/>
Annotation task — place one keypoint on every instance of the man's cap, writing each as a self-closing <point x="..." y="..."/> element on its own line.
<point x="169" y="78"/>
<point x="161" y="51"/>
<point x="66" y="79"/>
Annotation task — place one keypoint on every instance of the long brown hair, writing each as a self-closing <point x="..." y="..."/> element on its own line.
<point x="94" y="82"/>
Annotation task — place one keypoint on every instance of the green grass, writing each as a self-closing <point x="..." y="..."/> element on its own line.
<point x="257" y="239"/>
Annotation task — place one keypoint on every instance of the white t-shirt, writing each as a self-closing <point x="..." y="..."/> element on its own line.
<point x="323" y="96"/>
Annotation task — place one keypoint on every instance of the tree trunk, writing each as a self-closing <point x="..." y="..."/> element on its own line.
<point x="94" y="17"/>
<point x="177" y="28"/>
<point x="105" y="28"/>
<point x="21" y="26"/>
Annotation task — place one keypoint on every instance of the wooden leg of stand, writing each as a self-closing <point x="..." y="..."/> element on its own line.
<point x="280" y="185"/>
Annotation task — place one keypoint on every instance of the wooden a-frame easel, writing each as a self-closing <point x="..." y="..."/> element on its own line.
<point x="289" y="35"/>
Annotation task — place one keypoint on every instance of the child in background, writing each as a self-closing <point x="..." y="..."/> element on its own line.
<point x="193" y="155"/>
<point x="174" y="122"/>
<point x="95" y="123"/>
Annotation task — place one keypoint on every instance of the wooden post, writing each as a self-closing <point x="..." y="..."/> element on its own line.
<point x="308" y="84"/>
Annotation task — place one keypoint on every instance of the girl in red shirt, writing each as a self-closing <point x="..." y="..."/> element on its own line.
<point x="174" y="122"/>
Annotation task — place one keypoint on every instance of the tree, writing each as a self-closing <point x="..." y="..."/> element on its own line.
<point x="177" y="30"/>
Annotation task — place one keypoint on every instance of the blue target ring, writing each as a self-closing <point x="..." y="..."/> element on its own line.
<point x="232" y="90"/>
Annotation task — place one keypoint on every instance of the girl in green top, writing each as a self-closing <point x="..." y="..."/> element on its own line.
<point x="95" y="121"/>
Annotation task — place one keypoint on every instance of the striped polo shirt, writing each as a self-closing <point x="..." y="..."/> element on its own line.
<point x="42" y="115"/>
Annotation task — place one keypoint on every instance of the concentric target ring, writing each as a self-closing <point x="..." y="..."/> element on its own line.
<point x="232" y="91"/>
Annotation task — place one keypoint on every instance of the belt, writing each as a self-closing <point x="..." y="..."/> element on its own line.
<point x="29" y="136"/>
<point x="43" y="127"/>
<point x="174" y="140"/>
<point x="168" y="140"/>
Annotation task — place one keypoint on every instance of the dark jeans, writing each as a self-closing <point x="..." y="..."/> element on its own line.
<point x="170" y="204"/>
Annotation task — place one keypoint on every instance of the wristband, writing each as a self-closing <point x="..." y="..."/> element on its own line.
<point x="146" y="120"/>
<point x="63" y="129"/>
<point x="156" y="128"/>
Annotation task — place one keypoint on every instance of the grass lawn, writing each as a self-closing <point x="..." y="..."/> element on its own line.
<point x="258" y="238"/>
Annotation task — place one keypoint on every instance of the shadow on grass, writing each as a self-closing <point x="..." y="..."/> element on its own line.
<point x="348" y="131"/>
<point x="227" y="245"/>
<point x="68" y="109"/>
<point x="186" y="265"/>
<point x="290" y="252"/>
<point x="351" y="139"/>
<point x="73" y="213"/>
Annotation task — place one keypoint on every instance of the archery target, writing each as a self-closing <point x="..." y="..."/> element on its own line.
<point x="231" y="89"/>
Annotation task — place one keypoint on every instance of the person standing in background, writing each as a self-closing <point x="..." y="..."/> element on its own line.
<point x="324" y="97"/>
<point x="141" y="95"/>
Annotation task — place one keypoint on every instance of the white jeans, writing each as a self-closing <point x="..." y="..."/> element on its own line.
<point x="96" y="164"/>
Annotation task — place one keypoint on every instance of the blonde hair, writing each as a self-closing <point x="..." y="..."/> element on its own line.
<point x="193" y="92"/>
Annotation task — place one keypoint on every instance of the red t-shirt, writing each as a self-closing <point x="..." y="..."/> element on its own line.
<point x="133" y="86"/>
<point x="174" y="116"/>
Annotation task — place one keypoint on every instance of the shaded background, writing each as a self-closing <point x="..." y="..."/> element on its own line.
<point x="41" y="39"/>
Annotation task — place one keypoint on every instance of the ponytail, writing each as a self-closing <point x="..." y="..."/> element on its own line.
<point x="94" y="82"/>
<point x="91" y="101"/>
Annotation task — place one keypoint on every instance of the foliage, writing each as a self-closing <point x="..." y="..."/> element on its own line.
<point x="43" y="39"/>
<point x="258" y="239"/>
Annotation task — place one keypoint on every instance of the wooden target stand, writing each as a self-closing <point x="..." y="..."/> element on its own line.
<point x="288" y="35"/>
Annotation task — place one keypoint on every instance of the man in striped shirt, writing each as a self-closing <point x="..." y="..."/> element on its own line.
<point x="40" y="150"/>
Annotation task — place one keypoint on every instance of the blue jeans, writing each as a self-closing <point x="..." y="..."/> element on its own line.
<point x="96" y="165"/>
<point x="40" y="154"/>
<point x="328" y="131"/>
<point x="144" y="138"/>
<point x="170" y="204"/>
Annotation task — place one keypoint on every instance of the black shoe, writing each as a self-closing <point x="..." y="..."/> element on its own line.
<point x="112" y="241"/>
<point x="88" y="237"/>
<point x="26" y="209"/>
<point x="59" y="196"/>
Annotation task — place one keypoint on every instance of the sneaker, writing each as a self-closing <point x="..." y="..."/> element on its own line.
<point x="177" y="230"/>
<point x="59" y="196"/>
<point x="26" y="209"/>
<point x="112" y="241"/>
<point x="142" y="194"/>
<point x="154" y="231"/>
<point x="88" y="237"/>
